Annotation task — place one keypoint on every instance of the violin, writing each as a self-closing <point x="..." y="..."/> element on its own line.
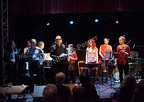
<point x="123" y="54"/>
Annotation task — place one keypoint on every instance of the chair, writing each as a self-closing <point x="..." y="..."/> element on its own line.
<point x="2" y="98"/>
<point x="81" y="66"/>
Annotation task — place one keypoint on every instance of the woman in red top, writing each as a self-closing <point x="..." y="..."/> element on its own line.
<point x="105" y="49"/>
<point x="122" y="59"/>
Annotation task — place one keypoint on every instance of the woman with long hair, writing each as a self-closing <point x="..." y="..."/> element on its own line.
<point x="11" y="66"/>
<point x="92" y="54"/>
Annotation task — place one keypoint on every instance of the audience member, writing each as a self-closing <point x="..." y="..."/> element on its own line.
<point x="91" y="93"/>
<point x="50" y="93"/>
<point x="139" y="92"/>
<point x="62" y="90"/>
<point x="126" y="91"/>
<point x="78" y="94"/>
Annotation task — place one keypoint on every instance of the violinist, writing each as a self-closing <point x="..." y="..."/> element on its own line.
<point x="72" y="58"/>
<point x="122" y="60"/>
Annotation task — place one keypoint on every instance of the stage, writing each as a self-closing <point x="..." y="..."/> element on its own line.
<point x="104" y="91"/>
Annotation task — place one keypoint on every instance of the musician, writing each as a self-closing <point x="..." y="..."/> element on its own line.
<point x="105" y="50"/>
<point x="11" y="66"/>
<point x="105" y="53"/>
<point x="41" y="45"/>
<point x="92" y="54"/>
<point x="122" y="60"/>
<point x="28" y="46"/>
<point x="42" y="71"/>
<point x="57" y="53"/>
<point x="36" y="63"/>
<point x="72" y="58"/>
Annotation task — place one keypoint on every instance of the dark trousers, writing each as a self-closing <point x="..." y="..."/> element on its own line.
<point x="71" y="76"/>
<point x="58" y="67"/>
<point x="122" y="68"/>
<point x="34" y="68"/>
<point x="12" y="72"/>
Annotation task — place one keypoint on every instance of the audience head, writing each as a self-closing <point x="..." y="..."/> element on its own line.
<point x="60" y="77"/>
<point x="78" y="93"/>
<point x="141" y="85"/>
<point x="129" y="82"/>
<point x="50" y="93"/>
<point x="85" y="78"/>
<point x="41" y="44"/>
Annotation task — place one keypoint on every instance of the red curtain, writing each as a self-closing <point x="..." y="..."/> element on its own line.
<point x="72" y="6"/>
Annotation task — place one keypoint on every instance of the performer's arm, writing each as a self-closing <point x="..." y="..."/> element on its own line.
<point x="75" y="58"/>
<point x="97" y="55"/>
<point x="27" y="51"/>
<point x="127" y="51"/>
<point x="52" y="54"/>
<point x="86" y="58"/>
<point x="100" y="52"/>
<point x="118" y="49"/>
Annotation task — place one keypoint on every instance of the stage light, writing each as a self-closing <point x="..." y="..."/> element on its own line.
<point x="72" y="22"/>
<point x="48" y="24"/>
<point x="117" y="22"/>
<point x="96" y="20"/>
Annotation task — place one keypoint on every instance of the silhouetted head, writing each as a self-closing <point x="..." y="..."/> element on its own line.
<point x="50" y="93"/>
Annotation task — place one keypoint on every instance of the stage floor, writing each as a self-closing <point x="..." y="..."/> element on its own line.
<point x="105" y="91"/>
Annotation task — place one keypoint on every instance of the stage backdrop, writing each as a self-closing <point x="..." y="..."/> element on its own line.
<point x="28" y="19"/>
<point x="73" y="6"/>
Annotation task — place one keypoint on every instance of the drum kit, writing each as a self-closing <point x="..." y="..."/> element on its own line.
<point x="136" y="65"/>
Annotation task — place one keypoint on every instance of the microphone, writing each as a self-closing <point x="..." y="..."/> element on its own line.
<point x="133" y="46"/>
<point x="114" y="45"/>
<point x="19" y="50"/>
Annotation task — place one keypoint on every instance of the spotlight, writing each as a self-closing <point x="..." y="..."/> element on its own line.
<point x="117" y="22"/>
<point x="72" y="22"/>
<point x="48" y="24"/>
<point x="96" y="20"/>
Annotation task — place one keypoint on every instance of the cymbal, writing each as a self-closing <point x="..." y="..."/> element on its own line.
<point x="131" y="58"/>
<point x="133" y="63"/>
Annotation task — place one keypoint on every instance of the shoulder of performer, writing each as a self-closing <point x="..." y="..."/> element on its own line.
<point x="102" y="45"/>
<point x="63" y="45"/>
<point x="118" y="46"/>
<point x="127" y="45"/>
<point x="39" y="49"/>
<point x="87" y="48"/>
<point x="96" y="48"/>
<point x="109" y="45"/>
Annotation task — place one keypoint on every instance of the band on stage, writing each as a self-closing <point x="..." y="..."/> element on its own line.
<point x="64" y="59"/>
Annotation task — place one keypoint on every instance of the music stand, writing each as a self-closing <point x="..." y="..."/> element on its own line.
<point x="92" y="65"/>
<point x="115" y="54"/>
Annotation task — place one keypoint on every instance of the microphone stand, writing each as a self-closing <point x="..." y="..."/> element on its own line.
<point x="51" y="46"/>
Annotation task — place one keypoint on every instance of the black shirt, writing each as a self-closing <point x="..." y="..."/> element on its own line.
<point x="57" y="50"/>
<point x="63" y="90"/>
